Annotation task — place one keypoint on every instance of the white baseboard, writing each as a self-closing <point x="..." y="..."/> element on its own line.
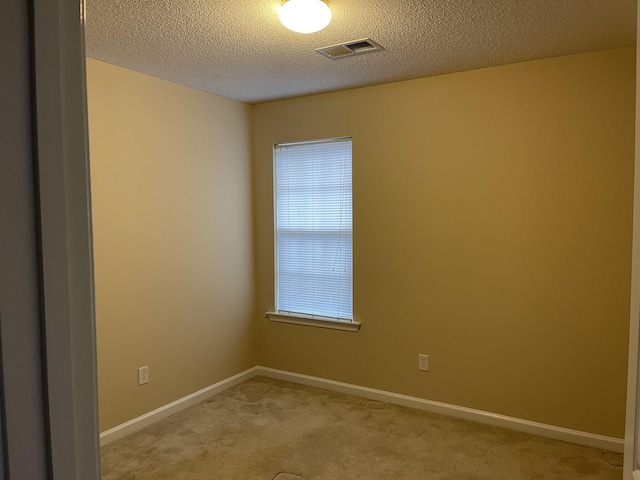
<point x="527" y="426"/>
<point x="158" y="414"/>
<point x="542" y="429"/>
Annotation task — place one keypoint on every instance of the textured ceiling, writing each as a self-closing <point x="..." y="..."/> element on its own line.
<point x="239" y="49"/>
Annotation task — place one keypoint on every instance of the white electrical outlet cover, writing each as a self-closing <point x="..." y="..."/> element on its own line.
<point x="143" y="375"/>
<point x="423" y="363"/>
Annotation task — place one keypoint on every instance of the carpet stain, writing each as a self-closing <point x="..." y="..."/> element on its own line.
<point x="375" y="405"/>
<point x="615" y="459"/>
<point x="263" y="429"/>
<point x="287" y="476"/>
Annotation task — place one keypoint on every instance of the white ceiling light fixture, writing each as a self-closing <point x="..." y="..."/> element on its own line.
<point x="304" y="16"/>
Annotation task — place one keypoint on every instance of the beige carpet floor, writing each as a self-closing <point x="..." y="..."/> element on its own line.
<point x="267" y="429"/>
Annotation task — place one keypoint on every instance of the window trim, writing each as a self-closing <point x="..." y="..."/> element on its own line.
<point x="350" y="325"/>
<point x="314" y="321"/>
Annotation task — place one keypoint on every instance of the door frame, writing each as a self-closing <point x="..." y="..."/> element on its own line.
<point x="631" y="438"/>
<point x="66" y="261"/>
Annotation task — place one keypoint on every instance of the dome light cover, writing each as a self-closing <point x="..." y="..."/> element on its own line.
<point x="305" y="16"/>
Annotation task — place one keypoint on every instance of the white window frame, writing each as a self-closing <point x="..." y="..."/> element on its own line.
<point x="300" y="318"/>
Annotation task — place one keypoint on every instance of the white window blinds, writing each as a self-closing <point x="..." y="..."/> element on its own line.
<point x="314" y="272"/>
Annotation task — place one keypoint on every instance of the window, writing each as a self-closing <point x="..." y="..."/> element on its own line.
<point x="313" y="233"/>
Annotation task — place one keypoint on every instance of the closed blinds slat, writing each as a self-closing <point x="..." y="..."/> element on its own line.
<point x="314" y="272"/>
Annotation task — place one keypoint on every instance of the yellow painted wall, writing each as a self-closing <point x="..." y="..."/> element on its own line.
<point x="171" y="189"/>
<point x="492" y="231"/>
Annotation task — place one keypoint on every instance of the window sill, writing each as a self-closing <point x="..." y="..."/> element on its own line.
<point x="310" y="321"/>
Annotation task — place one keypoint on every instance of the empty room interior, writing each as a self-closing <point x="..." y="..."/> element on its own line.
<point x="482" y="329"/>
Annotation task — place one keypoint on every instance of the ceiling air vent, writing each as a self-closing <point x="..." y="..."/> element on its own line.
<point x="357" y="47"/>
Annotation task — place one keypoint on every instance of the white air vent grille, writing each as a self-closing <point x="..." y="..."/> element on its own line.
<point x="357" y="47"/>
